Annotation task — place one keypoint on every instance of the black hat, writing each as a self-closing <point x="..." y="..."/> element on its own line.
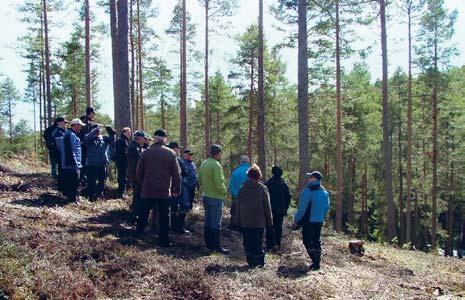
<point x="60" y="119"/>
<point x="215" y="149"/>
<point x="90" y="110"/>
<point x="160" y="132"/>
<point x="277" y="171"/>
<point x="315" y="174"/>
<point x="188" y="151"/>
<point x="173" y="145"/>
<point x="140" y="133"/>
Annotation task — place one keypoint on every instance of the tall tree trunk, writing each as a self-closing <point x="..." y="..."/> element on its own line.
<point x="339" y="162"/>
<point x="47" y="64"/>
<point x="183" y="103"/>
<point x="401" y="188"/>
<point x="74" y="102"/>
<point x="261" y="94"/>
<point x="87" y="54"/>
<point x="119" y="37"/>
<point x="10" y="120"/>
<point x="302" y="92"/>
<point x="365" y="228"/>
<point x="35" y="118"/>
<point x="162" y="108"/>
<point x="450" y="214"/>
<point x="251" y="94"/>
<point x="141" y="80"/>
<point x="387" y="151"/>
<point x="218" y="127"/>
<point x="353" y="174"/>
<point x="41" y="114"/>
<point x="408" y="221"/>
<point x="207" y="87"/>
<point x="133" y="64"/>
<point x="434" y="188"/>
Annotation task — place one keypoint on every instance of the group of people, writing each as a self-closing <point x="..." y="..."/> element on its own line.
<point x="166" y="183"/>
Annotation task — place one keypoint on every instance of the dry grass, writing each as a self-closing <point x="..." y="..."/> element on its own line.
<point x="53" y="250"/>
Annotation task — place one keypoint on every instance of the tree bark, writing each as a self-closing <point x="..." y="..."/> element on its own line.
<point x="434" y="117"/>
<point x="119" y="37"/>
<point x="302" y="92"/>
<point x="408" y="221"/>
<point x="87" y="54"/>
<point x="133" y="64"/>
<point x="47" y="64"/>
<point x="353" y="186"/>
<point x="141" y="80"/>
<point x="261" y="94"/>
<point x="207" y="87"/>
<point x="401" y="188"/>
<point x="339" y="162"/>
<point x="183" y="102"/>
<point x="387" y="151"/>
<point x="251" y="94"/>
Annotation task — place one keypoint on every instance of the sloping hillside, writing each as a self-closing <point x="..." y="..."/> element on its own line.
<point x="50" y="249"/>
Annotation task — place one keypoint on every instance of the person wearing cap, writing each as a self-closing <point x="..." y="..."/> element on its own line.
<point x="51" y="146"/>
<point x="310" y="215"/>
<point x="97" y="159"/>
<point x="253" y="215"/>
<point x="159" y="176"/>
<point x="57" y="137"/>
<point x="280" y="199"/>
<point x="70" y="152"/>
<point x="238" y="177"/>
<point x="179" y="205"/>
<point x="88" y="121"/>
<point x="213" y="189"/>
<point x="120" y="158"/>
<point x="192" y="181"/>
<point x="135" y="149"/>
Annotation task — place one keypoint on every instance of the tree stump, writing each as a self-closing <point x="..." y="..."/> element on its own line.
<point x="356" y="247"/>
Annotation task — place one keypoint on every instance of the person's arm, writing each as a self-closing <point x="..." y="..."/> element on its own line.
<point x="287" y="195"/>
<point x="140" y="171"/>
<point x="109" y="139"/>
<point x="176" y="177"/>
<point x="90" y="136"/>
<point x="267" y="206"/>
<point x="218" y="179"/>
<point x="75" y="151"/>
<point x="303" y="204"/>
<point x="237" y="211"/>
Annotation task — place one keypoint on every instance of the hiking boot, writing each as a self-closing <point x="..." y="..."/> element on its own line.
<point x="180" y="224"/>
<point x="217" y="243"/>
<point x="165" y="244"/>
<point x="207" y="236"/>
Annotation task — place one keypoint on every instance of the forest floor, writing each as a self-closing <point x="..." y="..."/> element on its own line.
<point x="50" y="249"/>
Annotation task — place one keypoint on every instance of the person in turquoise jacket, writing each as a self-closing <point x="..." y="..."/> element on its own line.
<point x="311" y="214"/>
<point x="238" y="177"/>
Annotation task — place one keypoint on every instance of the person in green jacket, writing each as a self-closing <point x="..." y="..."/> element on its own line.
<point x="213" y="189"/>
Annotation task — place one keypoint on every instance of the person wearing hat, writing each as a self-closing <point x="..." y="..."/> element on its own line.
<point x="310" y="215"/>
<point x="179" y="205"/>
<point x="51" y="146"/>
<point x="192" y="181"/>
<point x="253" y="215"/>
<point x="280" y="199"/>
<point x="120" y="158"/>
<point x="238" y="177"/>
<point x="70" y="152"/>
<point x="213" y="189"/>
<point x="135" y="149"/>
<point x="88" y="121"/>
<point x="159" y="176"/>
<point x="57" y="137"/>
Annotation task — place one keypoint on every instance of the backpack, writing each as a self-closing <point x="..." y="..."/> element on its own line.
<point x="48" y="136"/>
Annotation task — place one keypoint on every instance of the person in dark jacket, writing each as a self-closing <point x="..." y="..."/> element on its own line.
<point x="192" y="181"/>
<point x="70" y="151"/>
<point x="97" y="159"/>
<point x="310" y="215"/>
<point x="159" y="176"/>
<point x="51" y="145"/>
<point x="88" y="121"/>
<point x="57" y="137"/>
<point x="135" y="149"/>
<point x="120" y="158"/>
<point x="253" y="215"/>
<point x="180" y="205"/>
<point x="280" y="198"/>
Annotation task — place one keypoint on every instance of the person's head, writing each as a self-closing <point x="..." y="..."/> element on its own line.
<point x="314" y="176"/>
<point x="61" y="122"/>
<point x="215" y="151"/>
<point x="90" y="113"/>
<point x="160" y="136"/>
<point x="187" y="154"/>
<point x="277" y="171"/>
<point x="76" y="124"/>
<point x="254" y="172"/>
<point x="175" y="147"/>
<point x="126" y="131"/>
<point x="244" y="159"/>
<point x="139" y="138"/>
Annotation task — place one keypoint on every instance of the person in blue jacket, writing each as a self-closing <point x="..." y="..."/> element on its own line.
<point x="311" y="214"/>
<point x="238" y="177"/>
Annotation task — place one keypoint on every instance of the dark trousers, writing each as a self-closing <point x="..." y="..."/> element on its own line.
<point x="96" y="176"/>
<point x="191" y="195"/>
<point x="70" y="183"/>
<point x="275" y="232"/>
<point x="252" y="241"/>
<point x="121" y="169"/>
<point x="163" y="206"/>
<point x="311" y="233"/>
<point x="53" y="163"/>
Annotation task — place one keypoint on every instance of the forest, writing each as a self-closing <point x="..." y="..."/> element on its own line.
<point x="390" y="145"/>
